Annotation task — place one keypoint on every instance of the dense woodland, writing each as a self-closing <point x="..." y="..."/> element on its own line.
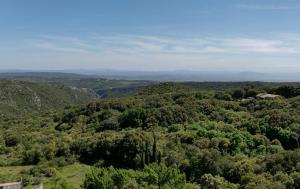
<point x="164" y="136"/>
<point x="19" y="97"/>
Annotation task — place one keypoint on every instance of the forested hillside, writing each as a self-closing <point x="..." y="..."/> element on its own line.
<point x="164" y="136"/>
<point x="23" y="97"/>
<point x="100" y="86"/>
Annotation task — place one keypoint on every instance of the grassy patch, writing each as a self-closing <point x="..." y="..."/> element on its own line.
<point x="72" y="174"/>
<point x="12" y="173"/>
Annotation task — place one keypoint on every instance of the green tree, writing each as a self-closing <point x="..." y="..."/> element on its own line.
<point x="238" y="94"/>
<point x="164" y="177"/>
<point x="98" y="179"/>
<point x="209" y="181"/>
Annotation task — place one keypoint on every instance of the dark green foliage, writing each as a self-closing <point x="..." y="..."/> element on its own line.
<point x="238" y="94"/>
<point x="11" y="139"/>
<point x="166" y="136"/>
<point x="288" y="91"/>
<point x="251" y="93"/>
<point x="152" y="176"/>
<point x="223" y="96"/>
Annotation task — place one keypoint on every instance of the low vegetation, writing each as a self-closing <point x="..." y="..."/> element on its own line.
<point x="164" y="136"/>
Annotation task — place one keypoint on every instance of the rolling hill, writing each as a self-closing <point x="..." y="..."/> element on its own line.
<point x="101" y="86"/>
<point x="23" y="96"/>
<point x="195" y="138"/>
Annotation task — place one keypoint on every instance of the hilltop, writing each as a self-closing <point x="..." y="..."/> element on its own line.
<point x="23" y="96"/>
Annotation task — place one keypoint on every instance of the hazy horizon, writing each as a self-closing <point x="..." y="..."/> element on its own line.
<point x="208" y="35"/>
<point x="175" y="75"/>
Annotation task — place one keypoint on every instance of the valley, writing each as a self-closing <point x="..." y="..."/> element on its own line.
<point x="163" y="135"/>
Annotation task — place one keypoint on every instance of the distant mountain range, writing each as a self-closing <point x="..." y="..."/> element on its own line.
<point x="178" y="75"/>
<point x="183" y="75"/>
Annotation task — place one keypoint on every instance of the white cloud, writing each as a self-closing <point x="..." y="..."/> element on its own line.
<point x="168" y="45"/>
<point x="142" y="52"/>
<point x="261" y="45"/>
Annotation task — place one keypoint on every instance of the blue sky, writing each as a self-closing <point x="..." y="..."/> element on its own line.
<point x="214" y="35"/>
